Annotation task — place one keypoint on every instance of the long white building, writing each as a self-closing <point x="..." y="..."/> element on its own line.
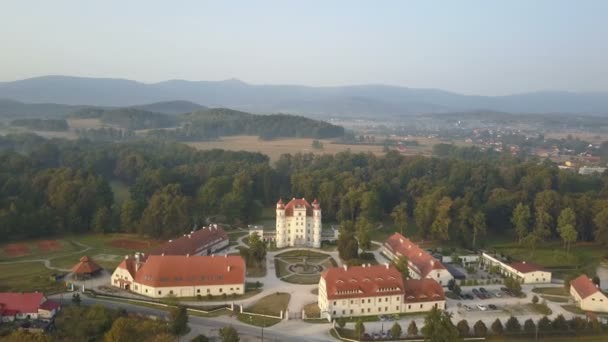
<point x="421" y="264"/>
<point x="375" y="290"/>
<point x="298" y="224"/>
<point x="160" y="276"/>
<point x="525" y="272"/>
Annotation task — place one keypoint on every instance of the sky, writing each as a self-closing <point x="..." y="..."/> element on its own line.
<point x="471" y="47"/>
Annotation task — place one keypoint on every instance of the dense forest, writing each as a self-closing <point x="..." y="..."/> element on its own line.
<point x="128" y="118"/>
<point x="214" y="123"/>
<point x="58" y="125"/>
<point x="56" y="186"/>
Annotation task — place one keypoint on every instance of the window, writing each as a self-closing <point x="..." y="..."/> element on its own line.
<point x="171" y="292"/>
<point x="208" y="290"/>
<point x="437" y="275"/>
<point x="334" y="302"/>
<point x="231" y="289"/>
<point x="351" y="311"/>
<point x="362" y="310"/>
<point x="159" y="292"/>
<point x="198" y="291"/>
<point x="379" y="309"/>
<point x="343" y="312"/>
<point x="221" y="290"/>
<point x="397" y="307"/>
<point x="351" y="301"/>
<point x="238" y="288"/>
<point x="146" y="290"/>
<point x="409" y="306"/>
<point x="421" y="306"/>
<point x="369" y="310"/>
<point x="386" y="308"/>
<point x="334" y="312"/>
<point x="369" y="300"/>
<point x="386" y="299"/>
<point x="379" y="300"/>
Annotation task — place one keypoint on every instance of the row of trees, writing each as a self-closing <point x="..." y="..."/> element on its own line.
<point x="438" y="327"/>
<point x="49" y="186"/>
<point x="58" y="125"/>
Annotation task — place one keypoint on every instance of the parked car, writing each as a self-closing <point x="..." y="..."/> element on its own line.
<point x="469" y="296"/>
<point x="383" y="318"/>
<point x="468" y="308"/>
<point x="482" y="307"/>
<point x="478" y="294"/>
<point x="497" y="294"/>
<point x="492" y="307"/>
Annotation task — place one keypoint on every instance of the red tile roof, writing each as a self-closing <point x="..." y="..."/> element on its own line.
<point x="178" y="270"/>
<point x="129" y="265"/>
<point x="25" y="303"/>
<point x="422" y="290"/>
<point x="526" y="267"/>
<point x="584" y="286"/>
<point x="192" y="243"/>
<point x="360" y="281"/>
<point x="298" y="203"/>
<point x="50" y="305"/>
<point x="86" y="265"/>
<point x="420" y="258"/>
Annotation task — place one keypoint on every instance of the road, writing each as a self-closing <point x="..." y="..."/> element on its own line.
<point x="210" y="326"/>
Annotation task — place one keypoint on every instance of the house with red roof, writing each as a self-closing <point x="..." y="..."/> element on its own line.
<point x="204" y="241"/>
<point x="32" y="305"/>
<point x="298" y="223"/>
<point x="160" y="276"/>
<point x="422" y="265"/>
<point x="587" y="295"/>
<point x="375" y="290"/>
<point x="525" y="272"/>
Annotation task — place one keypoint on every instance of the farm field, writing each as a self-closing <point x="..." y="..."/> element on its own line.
<point x="107" y="250"/>
<point x="28" y="277"/>
<point x="275" y="148"/>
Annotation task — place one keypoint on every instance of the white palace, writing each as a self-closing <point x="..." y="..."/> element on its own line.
<point x="298" y="224"/>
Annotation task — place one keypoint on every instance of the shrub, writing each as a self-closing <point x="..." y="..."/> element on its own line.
<point x="497" y="327"/>
<point x="529" y="326"/>
<point x="578" y="324"/>
<point x="341" y="322"/>
<point x="463" y="328"/>
<point x="512" y="325"/>
<point x="559" y="323"/>
<point x="480" y="328"/>
<point x="412" y="329"/>
<point x="535" y="299"/>
<point x="544" y="324"/>
<point x="396" y="330"/>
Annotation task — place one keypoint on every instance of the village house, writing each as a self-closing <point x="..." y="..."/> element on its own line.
<point x="33" y="305"/>
<point x="525" y="272"/>
<point x="420" y="263"/>
<point x="298" y="224"/>
<point x="587" y="295"/>
<point x="160" y="276"/>
<point x="375" y="290"/>
<point x="204" y="241"/>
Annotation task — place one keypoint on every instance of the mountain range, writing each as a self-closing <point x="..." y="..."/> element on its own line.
<point x="343" y="101"/>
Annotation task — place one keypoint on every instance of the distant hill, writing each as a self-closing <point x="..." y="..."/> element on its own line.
<point x="11" y="109"/>
<point x="346" y="101"/>
<point x="217" y="122"/>
<point x="171" y="107"/>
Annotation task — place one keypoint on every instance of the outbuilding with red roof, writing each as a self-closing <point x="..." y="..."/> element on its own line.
<point x="587" y="295"/>
<point x="525" y="272"/>
<point x="32" y="305"/>
<point x="375" y="290"/>
<point x="420" y="263"/>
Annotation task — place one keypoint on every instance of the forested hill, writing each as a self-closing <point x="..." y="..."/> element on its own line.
<point x="217" y="122"/>
<point x="128" y="118"/>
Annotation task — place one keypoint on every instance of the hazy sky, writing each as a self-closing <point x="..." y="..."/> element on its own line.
<point x="473" y="47"/>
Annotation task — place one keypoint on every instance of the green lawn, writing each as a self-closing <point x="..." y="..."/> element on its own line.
<point x="302" y="253"/>
<point x="302" y="279"/>
<point x="28" y="277"/>
<point x="257" y="320"/>
<point x="553" y="254"/>
<point x="271" y="305"/>
<point x="554" y="291"/>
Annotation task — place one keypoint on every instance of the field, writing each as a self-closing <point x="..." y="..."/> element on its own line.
<point x="270" y="305"/>
<point x="17" y="274"/>
<point x="275" y="148"/>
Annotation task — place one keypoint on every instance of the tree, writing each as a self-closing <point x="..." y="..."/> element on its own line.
<point x="566" y="226"/>
<point x="521" y="220"/>
<point x="178" y="320"/>
<point x="359" y="328"/>
<point x="363" y="231"/>
<point x="513" y="325"/>
<point x="559" y="323"/>
<point x="440" y="227"/>
<point x="513" y="285"/>
<point x="600" y="221"/>
<point x="412" y="329"/>
<point x="578" y="323"/>
<point x="316" y="144"/>
<point x="200" y="338"/>
<point x="497" y="327"/>
<point x="457" y="290"/>
<point x="229" y="334"/>
<point x="596" y="280"/>
<point x="463" y="328"/>
<point x="535" y="299"/>
<point x="401" y="264"/>
<point x="76" y="299"/>
<point x="348" y="246"/>
<point x="542" y="226"/>
<point x="257" y="250"/>
<point x="480" y="328"/>
<point x="101" y="220"/>
<point x="123" y="329"/>
<point x="396" y="330"/>
<point x="544" y="324"/>
<point x="479" y="227"/>
<point x="438" y="326"/>
<point x="399" y="216"/>
<point x="25" y="336"/>
<point x="529" y="326"/>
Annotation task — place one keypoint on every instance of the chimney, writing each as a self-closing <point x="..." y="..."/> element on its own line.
<point x="189" y="236"/>
<point x="126" y="257"/>
<point x="170" y="241"/>
<point x="386" y="264"/>
<point x="432" y="262"/>
<point x="345" y="266"/>
<point x="136" y="261"/>
<point x="226" y="256"/>
<point x="419" y="253"/>
<point x="163" y="254"/>
<point x="187" y="255"/>
<point x="212" y="255"/>
<point x="523" y="262"/>
<point x="228" y="268"/>
<point x="369" y="265"/>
